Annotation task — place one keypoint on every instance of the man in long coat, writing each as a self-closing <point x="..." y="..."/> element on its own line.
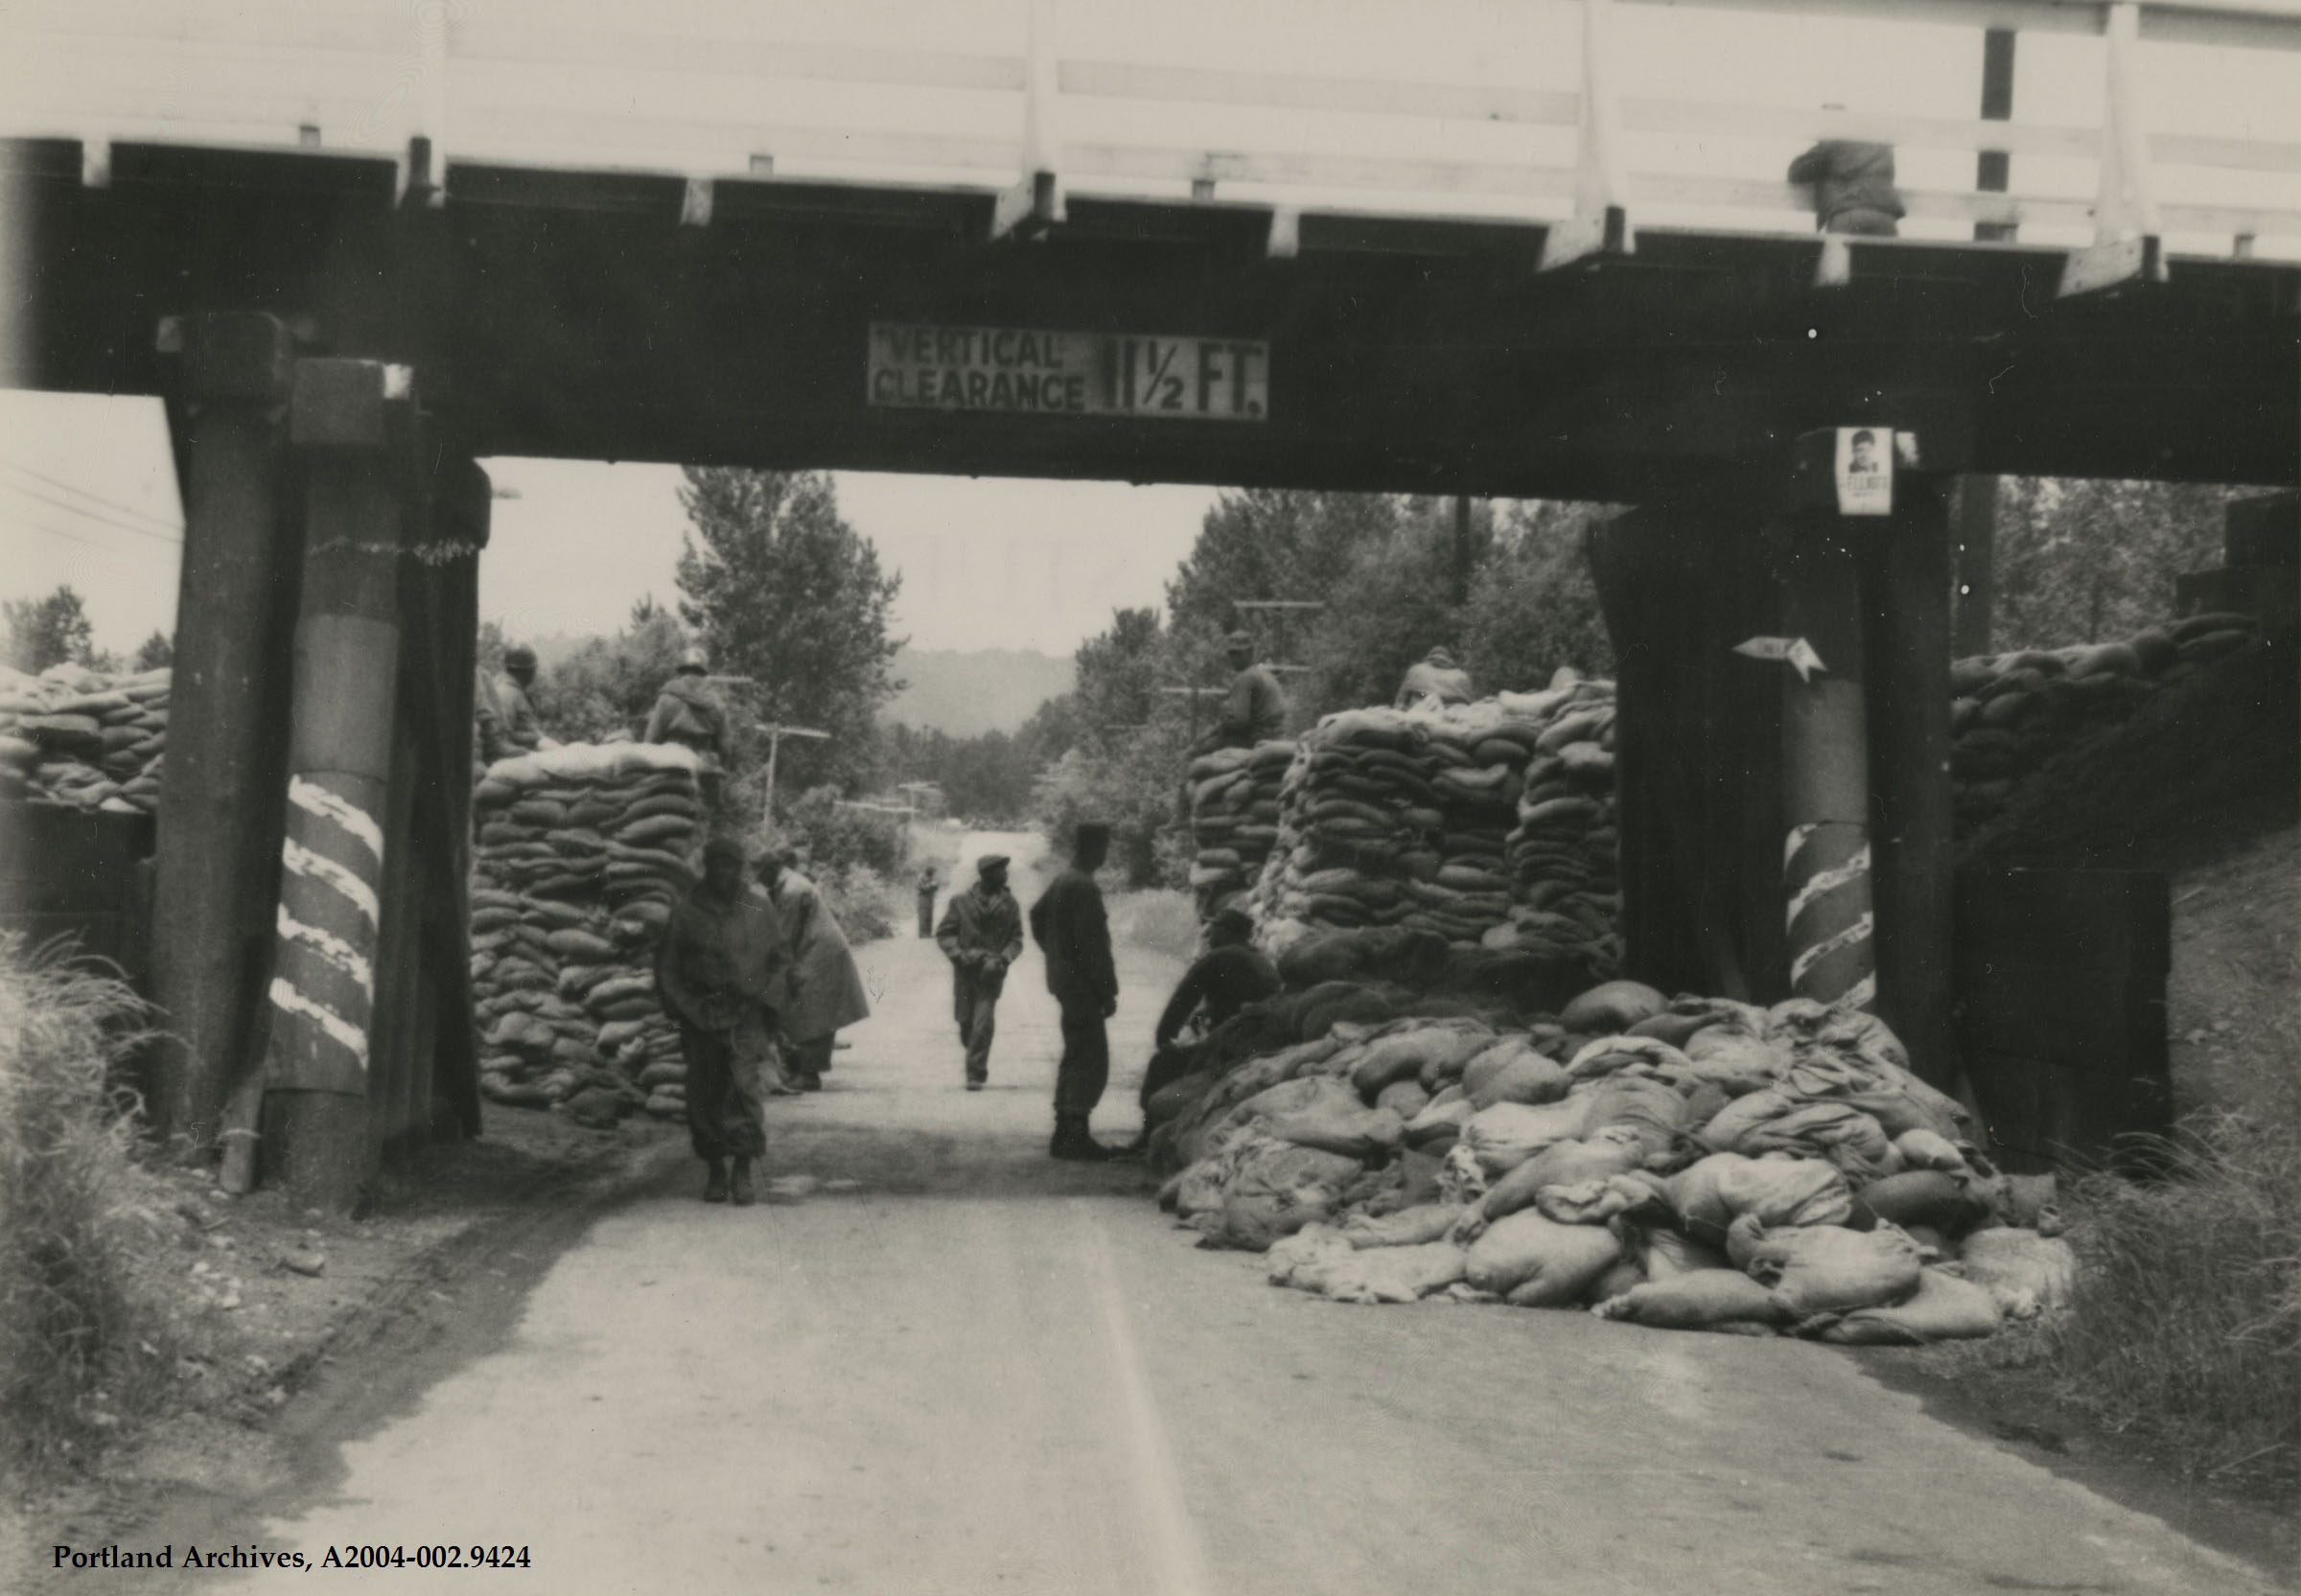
<point x="1071" y="929"/>
<point x="827" y="990"/>
<point x="980" y="935"/>
<point x="718" y="970"/>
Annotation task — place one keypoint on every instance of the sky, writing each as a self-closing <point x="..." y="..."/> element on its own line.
<point x="88" y="494"/>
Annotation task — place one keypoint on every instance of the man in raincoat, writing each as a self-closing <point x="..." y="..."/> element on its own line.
<point x="1255" y="709"/>
<point x="825" y="989"/>
<point x="719" y="969"/>
<point x="1069" y="924"/>
<point x="982" y="935"/>
<point x="689" y="712"/>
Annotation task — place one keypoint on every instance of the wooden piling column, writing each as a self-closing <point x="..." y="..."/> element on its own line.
<point x="1829" y="918"/>
<point x="214" y="886"/>
<point x="349" y="421"/>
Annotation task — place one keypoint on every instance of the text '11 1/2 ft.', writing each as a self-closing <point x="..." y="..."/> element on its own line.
<point x="1030" y="371"/>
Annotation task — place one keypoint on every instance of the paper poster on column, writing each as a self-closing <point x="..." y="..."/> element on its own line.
<point x="1865" y="471"/>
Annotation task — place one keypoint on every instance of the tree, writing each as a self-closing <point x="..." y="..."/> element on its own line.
<point x="1270" y="544"/>
<point x="607" y="684"/>
<point x="155" y="650"/>
<point x="51" y="631"/>
<point x="783" y="591"/>
<point x="2084" y="560"/>
<point x="1533" y="606"/>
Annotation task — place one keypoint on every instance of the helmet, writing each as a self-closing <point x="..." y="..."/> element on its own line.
<point x="693" y="661"/>
<point x="518" y="655"/>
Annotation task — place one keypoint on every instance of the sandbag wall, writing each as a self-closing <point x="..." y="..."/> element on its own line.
<point x="1490" y="824"/>
<point x="1234" y="820"/>
<point x="77" y="737"/>
<point x="1693" y="1164"/>
<point x="581" y="851"/>
<point x="2015" y="713"/>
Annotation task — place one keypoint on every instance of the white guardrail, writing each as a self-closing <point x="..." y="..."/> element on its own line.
<point x="705" y="90"/>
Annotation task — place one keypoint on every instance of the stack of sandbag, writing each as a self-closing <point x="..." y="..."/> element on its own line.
<point x="2015" y="713"/>
<point x="581" y="851"/>
<point x="1562" y="854"/>
<point x="1692" y="1165"/>
<point x="77" y="737"/>
<point x="1234" y="820"/>
<point x="1405" y="819"/>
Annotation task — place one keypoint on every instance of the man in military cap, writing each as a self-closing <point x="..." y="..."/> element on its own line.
<point x="688" y="711"/>
<point x="982" y="935"/>
<point x="720" y="969"/>
<point x="505" y="714"/>
<point x="1436" y="680"/>
<point x="1073" y="933"/>
<point x="1255" y="709"/>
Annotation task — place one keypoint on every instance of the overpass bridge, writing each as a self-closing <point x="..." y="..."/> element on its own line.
<point x="355" y="255"/>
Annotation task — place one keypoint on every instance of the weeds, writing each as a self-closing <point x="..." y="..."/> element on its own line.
<point x="80" y="1345"/>
<point x="2185" y="1330"/>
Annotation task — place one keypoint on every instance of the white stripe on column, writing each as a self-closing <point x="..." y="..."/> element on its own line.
<point x="302" y="861"/>
<point x="289" y="1000"/>
<point x="1828" y="881"/>
<point x="314" y="798"/>
<point x="1858" y="932"/>
<point x="330" y="948"/>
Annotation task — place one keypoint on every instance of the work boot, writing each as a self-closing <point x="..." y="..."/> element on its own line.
<point x="715" y="1182"/>
<point x="1074" y="1145"/>
<point x="739" y="1189"/>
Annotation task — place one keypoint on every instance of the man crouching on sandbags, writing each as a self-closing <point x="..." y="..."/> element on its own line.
<point x="1231" y="974"/>
<point x="720" y="971"/>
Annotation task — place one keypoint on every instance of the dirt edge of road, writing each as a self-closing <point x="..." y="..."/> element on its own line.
<point x="2010" y="1411"/>
<point x="462" y="1249"/>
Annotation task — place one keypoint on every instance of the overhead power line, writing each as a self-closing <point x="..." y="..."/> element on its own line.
<point x="160" y="522"/>
<point x="91" y="514"/>
<point x="57" y="532"/>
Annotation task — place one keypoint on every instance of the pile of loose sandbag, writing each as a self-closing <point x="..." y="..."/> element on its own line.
<point x="2015" y="713"/>
<point x="1695" y="1165"/>
<point x="77" y="737"/>
<point x="581" y="852"/>
<point x="1234" y="820"/>
<point x="1416" y="818"/>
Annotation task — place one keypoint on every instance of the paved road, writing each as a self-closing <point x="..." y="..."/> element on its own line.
<point x="953" y="1366"/>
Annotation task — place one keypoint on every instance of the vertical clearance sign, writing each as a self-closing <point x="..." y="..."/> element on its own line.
<point x="1021" y="370"/>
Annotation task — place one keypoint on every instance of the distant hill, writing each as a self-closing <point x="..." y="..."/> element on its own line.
<point x="965" y="693"/>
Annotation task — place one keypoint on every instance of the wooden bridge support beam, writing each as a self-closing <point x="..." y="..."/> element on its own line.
<point x="350" y="417"/>
<point x="215" y="885"/>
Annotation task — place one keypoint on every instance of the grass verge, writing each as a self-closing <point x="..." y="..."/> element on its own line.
<point x="83" y="1345"/>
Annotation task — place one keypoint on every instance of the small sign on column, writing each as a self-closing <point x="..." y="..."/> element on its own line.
<point x="1865" y="471"/>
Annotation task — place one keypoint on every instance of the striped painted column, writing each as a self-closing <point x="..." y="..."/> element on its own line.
<point x="348" y="422"/>
<point x="1830" y="922"/>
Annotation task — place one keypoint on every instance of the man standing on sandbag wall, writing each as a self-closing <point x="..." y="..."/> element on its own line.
<point x="689" y="712"/>
<point x="1073" y="933"/>
<point x="980" y="935"/>
<point x="508" y="724"/>
<point x="826" y="990"/>
<point x="719" y="970"/>
<point x="1255" y="709"/>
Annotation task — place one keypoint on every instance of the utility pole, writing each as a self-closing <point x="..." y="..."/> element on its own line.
<point x="1976" y="529"/>
<point x="775" y="747"/>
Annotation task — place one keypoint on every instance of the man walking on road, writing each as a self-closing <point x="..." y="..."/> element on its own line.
<point x="719" y="969"/>
<point x="929" y="884"/>
<point x="980" y="935"/>
<point x="1073" y="933"/>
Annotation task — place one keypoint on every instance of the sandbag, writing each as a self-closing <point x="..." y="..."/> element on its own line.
<point x="1276" y="1188"/>
<point x="2023" y="1270"/>
<point x="1842" y="1135"/>
<point x="1951" y="1204"/>
<point x="1594" y="1202"/>
<point x="1406" y="1227"/>
<point x="1393" y="1274"/>
<point x="1301" y="1260"/>
<point x="1712" y="1193"/>
<point x="1610" y="1007"/>
<point x="1944" y="1309"/>
<point x="1404" y="1056"/>
<point x="1667" y="1254"/>
<point x="1925" y="1149"/>
<point x="1537" y="1263"/>
<point x="1649" y="1110"/>
<point x="1519" y="1074"/>
<point x="1735" y="1060"/>
<point x="1336" y="1122"/>
<point x="1824" y="1268"/>
<point x="1606" y="1153"/>
<point x="1700" y="1299"/>
<point x="1507" y="1135"/>
<point x="1405" y="1099"/>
